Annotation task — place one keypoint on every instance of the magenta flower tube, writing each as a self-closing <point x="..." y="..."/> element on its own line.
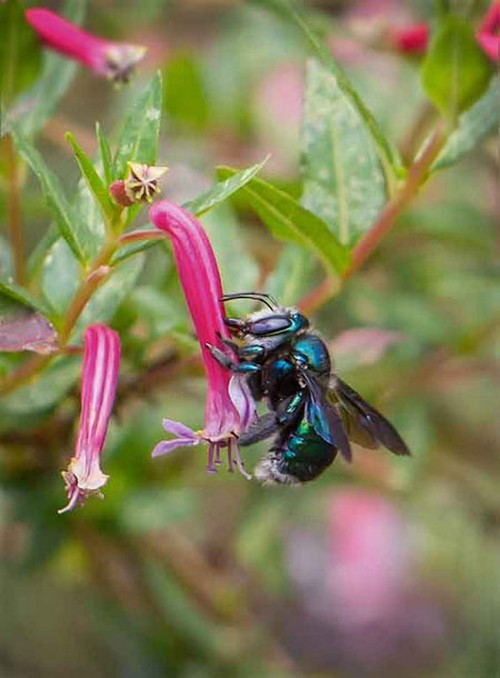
<point x="114" y="60"/>
<point x="101" y="365"/>
<point x="229" y="406"/>
<point x="488" y="35"/>
<point x="410" y="39"/>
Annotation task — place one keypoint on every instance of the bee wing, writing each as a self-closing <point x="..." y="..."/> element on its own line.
<point x="322" y="415"/>
<point x="365" y="424"/>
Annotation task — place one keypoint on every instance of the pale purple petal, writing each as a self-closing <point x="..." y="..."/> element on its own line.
<point x="179" y="429"/>
<point x="167" y="446"/>
<point x="242" y="400"/>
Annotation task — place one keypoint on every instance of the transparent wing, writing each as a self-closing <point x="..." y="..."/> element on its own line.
<point x="323" y="416"/>
<point x="364" y="424"/>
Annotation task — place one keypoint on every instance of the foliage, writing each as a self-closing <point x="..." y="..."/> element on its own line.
<point x="177" y="572"/>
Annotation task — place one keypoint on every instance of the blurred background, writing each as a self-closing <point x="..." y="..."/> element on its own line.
<point x="387" y="566"/>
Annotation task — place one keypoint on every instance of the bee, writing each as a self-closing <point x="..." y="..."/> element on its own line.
<point x="313" y="414"/>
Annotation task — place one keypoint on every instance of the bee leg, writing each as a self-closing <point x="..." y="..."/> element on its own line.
<point x="231" y="345"/>
<point x="227" y="362"/>
<point x="255" y="353"/>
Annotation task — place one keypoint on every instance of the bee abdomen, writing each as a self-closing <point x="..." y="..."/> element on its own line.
<point x="298" y="456"/>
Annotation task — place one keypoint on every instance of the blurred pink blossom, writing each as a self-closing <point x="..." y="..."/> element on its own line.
<point x="367" y="549"/>
<point x="488" y="34"/>
<point x="410" y="38"/>
<point x="363" y="345"/>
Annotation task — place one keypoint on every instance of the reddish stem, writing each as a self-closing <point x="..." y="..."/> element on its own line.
<point x="417" y="174"/>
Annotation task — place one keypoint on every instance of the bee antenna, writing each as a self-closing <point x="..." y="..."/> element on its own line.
<point x="266" y="299"/>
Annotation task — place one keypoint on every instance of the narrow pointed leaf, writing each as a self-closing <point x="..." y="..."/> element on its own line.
<point x="71" y="227"/>
<point x="288" y="220"/>
<point x="105" y="152"/>
<point x="343" y="179"/>
<point x="39" y="103"/>
<point x="455" y="72"/>
<point x="94" y="182"/>
<point x="223" y="190"/>
<point x="15" y="293"/>
<point x="474" y="125"/>
<point x="138" y="141"/>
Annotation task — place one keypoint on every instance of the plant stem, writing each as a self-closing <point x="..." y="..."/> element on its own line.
<point x="417" y="175"/>
<point x="138" y="236"/>
<point x="319" y="295"/>
<point x="95" y="276"/>
<point x="14" y="222"/>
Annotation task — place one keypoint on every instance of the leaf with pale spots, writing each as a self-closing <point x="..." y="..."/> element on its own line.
<point x="138" y="141"/>
<point x="343" y="180"/>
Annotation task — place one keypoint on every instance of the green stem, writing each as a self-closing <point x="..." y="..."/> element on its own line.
<point x="14" y="222"/>
<point x="97" y="273"/>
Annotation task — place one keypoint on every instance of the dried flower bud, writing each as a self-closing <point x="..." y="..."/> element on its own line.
<point x="141" y="183"/>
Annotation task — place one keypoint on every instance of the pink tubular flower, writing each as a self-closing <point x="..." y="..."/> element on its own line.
<point x="101" y="364"/>
<point x="114" y="60"/>
<point x="410" y="39"/>
<point x="229" y="406"/>
<point x="488" y="34"/>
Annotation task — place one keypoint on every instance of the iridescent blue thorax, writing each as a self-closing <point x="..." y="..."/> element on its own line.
<point x="310" y="351"/>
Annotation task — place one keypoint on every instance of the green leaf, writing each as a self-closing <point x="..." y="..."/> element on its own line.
<point x="291" y="12"/>
<point x="293" y="275"/>
<point x="41" y="100"/>
<point x="185" y="99"/>
<point x="455" y="71"/>
<point x="238" y="268"/>
<point x="110" y="295"/>
<point x="214" y="197"/>
<point x="11" y="291"/>
<point x="473" y="126"/>
<point x="289" y="221"/>
<point x="72" y="228"/>
<point x="94" y="182"/>
<point x="45" y="391"/>
<point x="19" y="52"/>
<point x="60" y="276"/>
<point x="343" y="180"/>
<point x="138" y="141"/>
<point x="105" y="151"/>
<point x="223" y="190"/>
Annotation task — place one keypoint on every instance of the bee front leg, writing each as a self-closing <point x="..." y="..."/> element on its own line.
<point x="227" y="362"/>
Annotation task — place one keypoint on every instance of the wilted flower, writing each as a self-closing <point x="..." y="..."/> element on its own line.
<point x="488" y="35"/>
<point x="229" y="406"/>
<point x="101" y="364"/>
<point x="140" y="184"/>
<point x="114" y="60"/>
